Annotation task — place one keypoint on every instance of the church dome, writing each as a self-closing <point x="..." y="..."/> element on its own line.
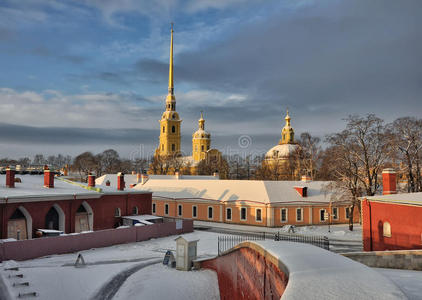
<point x="201" y="134"/>
<point x="282" y="151"/>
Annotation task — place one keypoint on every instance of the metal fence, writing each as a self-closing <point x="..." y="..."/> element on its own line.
<point x="227" y="242"/>
<point x="319" y="241"/>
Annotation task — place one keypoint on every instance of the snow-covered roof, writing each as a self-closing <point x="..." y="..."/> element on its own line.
<point x="404" y="198"/>
<point x="142" y="217"/>
<point x="315" y="273"/>
<point x="32" y="186"/>
<point x="132" y="179"/>
<point x="282" y="151"/>
<point x="262" y="192"/>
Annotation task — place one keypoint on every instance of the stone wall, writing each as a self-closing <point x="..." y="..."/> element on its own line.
<point x="399" y="259"/>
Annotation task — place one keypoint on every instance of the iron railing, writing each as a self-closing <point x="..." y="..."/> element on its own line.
<point x="319" y="241"/>
<point x="227" y="242"/>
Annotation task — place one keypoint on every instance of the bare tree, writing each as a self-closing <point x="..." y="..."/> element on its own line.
<point x="406" y="137"/>
<point x="84" y="164"/>
<point x="310" y="154"/>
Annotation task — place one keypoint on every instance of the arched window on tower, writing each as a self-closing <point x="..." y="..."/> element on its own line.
<point x="173" y="147"/>
<point x="164" y="129"/>
<point x="173" y="129"/>
<point x="202" y="148"/>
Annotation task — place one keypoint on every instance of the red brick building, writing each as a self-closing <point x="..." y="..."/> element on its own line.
<point x="45" y="202"/>
<point x="392" y="221"/>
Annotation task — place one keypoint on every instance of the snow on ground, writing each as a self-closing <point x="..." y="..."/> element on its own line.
<point x="55" y="277"/>
<point x="338" y="231"/>
<point x="410" y="282"/>
<point x="160" y="282"/>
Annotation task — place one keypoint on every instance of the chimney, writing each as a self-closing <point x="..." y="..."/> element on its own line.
<point x="306" y="178"/>
<point x="215" y="174"/>
<point x="177" y="174"/>
<point x="144" y="178"/>
<point x="138" y="177"/>
<point x="120" y="181"/>
<point x="48" y="178"/>
<point x="10" y="177"/>
<point x="302" y="190"/>
<point x="91" y="180"/>
<point x="108" y="183"/>
<point x="389" y="182"/>
<point x="133" y="172"/>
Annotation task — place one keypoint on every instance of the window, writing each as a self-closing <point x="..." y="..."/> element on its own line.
<point x="173" y="147"/>
<point x="386" y="228"/>
<point x="153" y="208"/>
<point x="194" y="211"/>
<point x="135" y="210"/>
<point x="347" y="212"/>
<point x="162" y="147"/>
<point x="283" y="214"/>
<point x="322" y="215"/>
<point x="299" y="214"/>
<point x="258" y="216"/>
<point x="243" y="214"/>
<point x="202" y="148"/>
<point x="164" y="129"/>
<point x="173" y="129"/>
<point x="117" y="212"/>
<point x="179" y="210"/>
<point x="208" y="147"/>
<point x="228" y="214"/>
<point x="335" y="213"/>
<point x="166" y="209"/>
<point x="209" y="212"/>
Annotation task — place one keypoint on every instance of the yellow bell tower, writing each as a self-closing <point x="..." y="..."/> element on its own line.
<point x="201" y="141"/>
<point x="170" y="122"/>
<point x="287" y="134"/>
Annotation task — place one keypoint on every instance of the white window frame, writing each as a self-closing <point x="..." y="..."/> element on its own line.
<point x="347" y="211"/>
<point x="117" y="212"/>
<point x="335" y="215"/>
<point x="231" y="214"/>
<point x="246" y="214"/>
<point x="256" y="215"/>
<point x="166" y="205"/>
<point x="386" y="229"/>
<point x="208" y="212"/>
<point x="281" y="215"/>
<point x="181" y="210"/>
<point x="301" y="214"/>
<point x="154" y="208"/>
<point x="196" y="215"/>
<point x="323" y="217"/>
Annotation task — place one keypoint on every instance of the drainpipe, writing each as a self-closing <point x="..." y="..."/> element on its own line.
<point x="370" y="225"/>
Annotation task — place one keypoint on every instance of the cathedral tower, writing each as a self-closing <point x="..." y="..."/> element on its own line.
<point x="170" y="121"/>
<point x="287" y="134"/>
<point x="201" y="141"/>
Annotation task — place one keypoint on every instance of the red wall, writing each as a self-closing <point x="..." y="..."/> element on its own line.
<point x="103" y="209"/>
<point x="246" y="274"/>
<point x="28" y="249"/>
<point x="405" y="221"/>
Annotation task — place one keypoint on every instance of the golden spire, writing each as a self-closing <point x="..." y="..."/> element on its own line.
<point x="287" y="118"/>
<point x="171" y="85"/>
<point x="201" y="122"/>
<point x="287" y="134"/>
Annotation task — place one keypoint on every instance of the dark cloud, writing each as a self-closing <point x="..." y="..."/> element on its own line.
<point x="344" y="57"/>
<point x="17" y="134"/>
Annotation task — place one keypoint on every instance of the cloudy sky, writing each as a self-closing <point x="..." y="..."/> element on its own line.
<point x="92" y="74"/>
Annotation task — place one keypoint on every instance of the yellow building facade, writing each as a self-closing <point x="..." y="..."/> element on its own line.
<point x="170" y="133"/>
<point x="170" y="122"/>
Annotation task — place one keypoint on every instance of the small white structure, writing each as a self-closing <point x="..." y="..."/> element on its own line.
<point x="186" y="250"/>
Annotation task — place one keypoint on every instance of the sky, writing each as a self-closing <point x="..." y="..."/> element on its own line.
<point x="89" y="75"/>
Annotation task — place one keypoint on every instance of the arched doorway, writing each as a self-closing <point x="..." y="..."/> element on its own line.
<point x="84" y="218"/>
<point x="19" y="225"/>
<point x="54" y="218"/>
